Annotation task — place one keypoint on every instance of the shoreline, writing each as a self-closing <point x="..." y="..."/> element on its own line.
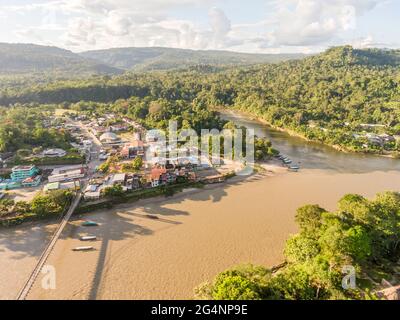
<point x="295" y="134"/>
<point x="199" y="234"/>
<point x="270" y="168"/>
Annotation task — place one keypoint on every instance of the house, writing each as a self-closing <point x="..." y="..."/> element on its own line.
<point x="387" y="138"/>
<point x="73" y="186"/>
<point x="92" y="192"/>
<point x="157" y="177"/>
<point x="118" y="127"/>
<point x="67" y="174"/>
<point x="119" y="178"/>
<point x="54" y="153"/>
<point x="51" y="186"/>
<point x="109" y="138"/>
<point x="91" y="196"/>
<point x="31" y="182"/>
<point x="374" y="139"/>
<point x="21" y="173"/>
<point x="133" y="182"/>
<point x="9" y="185"/>
<point x="132" y="150"/>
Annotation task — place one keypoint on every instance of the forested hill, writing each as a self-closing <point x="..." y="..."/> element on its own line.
<point x="146" y="59"/>
<point x="25" y="59"/>
<point x="325" y="97"/>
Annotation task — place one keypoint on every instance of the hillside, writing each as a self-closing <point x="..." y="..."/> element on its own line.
<point x="324" y="98"/>
<point x="146" y="59"/>
<point x="22" y="59"/>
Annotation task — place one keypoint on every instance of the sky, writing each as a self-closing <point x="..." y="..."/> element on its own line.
<point x="257" y="26"/>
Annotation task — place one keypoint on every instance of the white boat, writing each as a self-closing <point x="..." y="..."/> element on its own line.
<point x="88" y="238"/>
<point x="83" y="249"/>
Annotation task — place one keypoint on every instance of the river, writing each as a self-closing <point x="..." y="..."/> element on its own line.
<point x="313" y="155"/>
<point x="199" y="233"/>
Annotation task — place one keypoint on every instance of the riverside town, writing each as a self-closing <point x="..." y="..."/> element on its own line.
<point x="200" y="158"/>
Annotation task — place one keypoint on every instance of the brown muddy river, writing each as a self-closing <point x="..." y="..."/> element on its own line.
<point x="198" y="234"/>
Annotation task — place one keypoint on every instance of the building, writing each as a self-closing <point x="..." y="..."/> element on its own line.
<point x="67" y="174"/>
<point x="132" y="150"/>
<point x="92" y="192"/>
<point x="119" y="127"/>
<point x="21" y="173"/>
<point x="31" y="182"/>
<point x="9" y="185"/>
<point x="119" y="178"/>
<point x="54" y="153"/>
<point x="109" y="138"/>
<point x="73" y="186"/>
<point x="157" y="177"/>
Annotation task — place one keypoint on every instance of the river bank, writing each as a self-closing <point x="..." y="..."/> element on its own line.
<point x="296" y="134"/>
<point x="201" y="232"/>
<point x="197" y="235"/>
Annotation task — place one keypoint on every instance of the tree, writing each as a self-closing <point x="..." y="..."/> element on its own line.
<point x="309" y="218"/>
<point x="356" y="208"/>
<point x="301" y="248"/>
<point x="235" y="288"/>
<point x="114" y="191"/>
<point x="137" y="163"/>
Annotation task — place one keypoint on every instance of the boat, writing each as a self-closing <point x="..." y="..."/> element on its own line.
<point x="287" y="161"/>
<point x="294" y="168"/>
<point x="89" y="224"/>
<point x="150" y="216"/>
<point x="88" y="238"/>
<point x="83" y="249"/>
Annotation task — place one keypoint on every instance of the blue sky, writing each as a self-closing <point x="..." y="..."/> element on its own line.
<point x="267" y="26"/>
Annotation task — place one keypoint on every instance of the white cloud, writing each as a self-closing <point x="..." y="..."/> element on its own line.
<point x="313" y="22"/>
<point x="220" y="26"/>
<point x="291" y="25"/>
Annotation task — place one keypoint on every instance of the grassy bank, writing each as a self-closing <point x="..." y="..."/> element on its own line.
<point x="108" y="203"/>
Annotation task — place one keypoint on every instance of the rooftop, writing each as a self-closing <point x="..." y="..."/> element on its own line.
<point x="23" y="168"/>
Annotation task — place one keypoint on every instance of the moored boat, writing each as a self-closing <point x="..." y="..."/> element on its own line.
<point x="88" y="238"/>
<point x="89" y="224"/>
<point x="83" y="249"/>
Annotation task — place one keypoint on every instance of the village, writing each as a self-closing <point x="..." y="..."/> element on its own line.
<point x="114" y="152"/>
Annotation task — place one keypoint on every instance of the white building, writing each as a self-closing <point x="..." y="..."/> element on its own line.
<point x="54" y="153"/>
<point x="109" y="138"/>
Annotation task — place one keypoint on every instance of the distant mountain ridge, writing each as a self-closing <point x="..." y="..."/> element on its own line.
<point x="157" y="58"/>
<point x="31" y="58"/>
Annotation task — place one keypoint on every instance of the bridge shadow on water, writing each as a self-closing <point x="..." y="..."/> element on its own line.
<point x="120" y="222"/>
<point x="117" y="224"/>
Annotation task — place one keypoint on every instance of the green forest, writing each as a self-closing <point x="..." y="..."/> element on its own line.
<point x="22" y="127"/>
<point x="326" y="98"/>
<point x="362" y="234"/>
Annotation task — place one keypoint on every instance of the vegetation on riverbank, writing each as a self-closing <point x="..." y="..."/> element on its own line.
<point x="114" y="197"/>
<point x="43" y="206"/>
<point x="337" y="97"/>
<point x="362" y="234"/>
